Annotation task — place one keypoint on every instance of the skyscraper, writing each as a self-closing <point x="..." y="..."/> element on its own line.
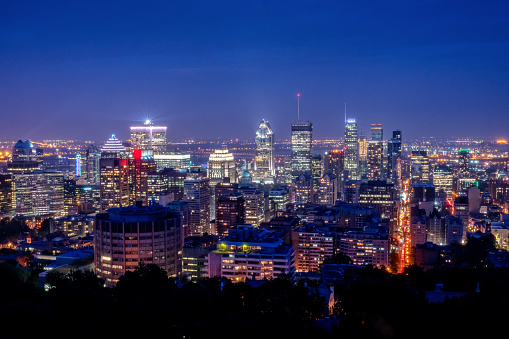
<point x="114" y="175"/>
<point x="264" y="151"/>
<point x="221" y="165"/>
<point x="363" y="157"/>
<point x="375" y="153"/>
<point x="394" y="158"/>
<point x="351" y="149"/>
<point x="420" y="169"/>
<point x="302" y="145"/>
<point x="197" y="194"/>
<point x="149" y="137"/>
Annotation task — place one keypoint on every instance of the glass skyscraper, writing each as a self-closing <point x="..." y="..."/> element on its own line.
<point x="264" y="151"/>
<point x="352" y="149"/>
<point x="149" y="137"/>
<point x="302" y="145"/>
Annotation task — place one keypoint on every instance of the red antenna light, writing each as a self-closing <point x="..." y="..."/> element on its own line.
<point x="298" y="95"/>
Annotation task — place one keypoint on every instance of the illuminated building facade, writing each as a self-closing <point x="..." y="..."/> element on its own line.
<point x="39" y="193"/>
<point x="316" y="171"/>
<point x="174" y="161"/>
<point x="420" y="168"/>
<point x="7" y="197"/>
<point x="264" y="151"/>
<point x="375" y="153"/>
<point x="221" y="165"/>
<point x="333" y="161"/>
<point x="149" y="137"/>
<point x="443" y="179"/>
<point x="92" y="171"/>
<point x="328" y="190"/>
<point x="312" y="247"/>
<point x="366" y="248"/>
<point x="302" y="147"/>
<point x="304" y="188"/>
<point x="25" y="158"/>
<point x="254" y="205"/>
<point x="140" y="165"/>
<point x="363" y="157"/>
<point x="250" y="253"/>
<point x="197" y="195"/>
<point x="351" y="163"/>
<point x="394" y="158"/>
<point x="230" y="212"/>
<point x="128" y="236"/>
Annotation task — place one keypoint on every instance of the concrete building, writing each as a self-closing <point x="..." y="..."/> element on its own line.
<point x="312" y="246"/>
<point x="250" y="253"/>
<point x="197" y="194"/>
<point x="125" y="237"/>
<point x="365" y="247"/>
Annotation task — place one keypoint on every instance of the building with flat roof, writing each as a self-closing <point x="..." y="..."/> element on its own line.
<point x="125" y="237"/>
<point x="250" y="253"/>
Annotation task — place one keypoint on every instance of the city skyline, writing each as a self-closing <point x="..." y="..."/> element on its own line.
<point x="87" y="71"/>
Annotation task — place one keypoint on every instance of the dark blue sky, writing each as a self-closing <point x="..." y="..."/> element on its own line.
<point x="86" y="69"/>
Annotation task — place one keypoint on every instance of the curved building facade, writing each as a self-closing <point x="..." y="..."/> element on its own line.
<point x="125" y="237"/>
<point x="264" y="151"/>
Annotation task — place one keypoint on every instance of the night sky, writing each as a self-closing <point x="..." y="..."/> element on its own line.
<point x="86" y="69"/>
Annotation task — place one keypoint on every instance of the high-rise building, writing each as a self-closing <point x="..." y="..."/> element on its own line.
<point x="304" y="188"/>
<point x="126" y="237"/>
<point x="221" y="165"/>
<point x="443" y="179"/>
<point x="230" y="212"/>
<point x="255" y="205"/>
<point x="197" y="194"/>
<point x="394" y="158"/>
<point x="25" y="158"/>
<point x="363" y="157"/>
<point x="92" y="165"/>
<point x="328" y="190"/>
<point x="351" y="163"/>
<point x="333" y="161"/>
<point x="316" y="171"/>
<point x="420" y="168"/>
<point x="173" y="160"/>
<point x="302" y="147"/>
<point x="114" y="175"/>
<point x="149" y="137"/>
<point x="39" y="193"/>
<point x="312" y="246"/>
<point x="7" y="197"/>
<point x="140" y="165"/>
<point x="366" y="247"/>
<point x="264" y="151"/>
<point x="375" y="153"/>
<point x="463" y="162"/>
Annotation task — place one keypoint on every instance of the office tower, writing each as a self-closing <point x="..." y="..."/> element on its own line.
<point x="351" y="191"/>
<point x="183" y="209"/>
<point x="149" y="137"/>
<point x="70" y="196"/>
<point x="316" y="171"/>
<point x="351" y="163"/>
<point x="463" y="163"/>
<point x="114" y="175"/>
<point x="461" y="210"/>
<point x="39" y="193"/>
<point x="25" y="158"/>
<point x="230" y="212"/>
<point x="7" y="197"/>
<point x="172" y="160"/>
<point x="363" y="157"/>
<point x="197" y="194"/>
<point x="279" y="197"/>
<point x="223" y="188"/>
<point x="443" y="179"/>
<point x="92" y="165"/>
<point x="140" y="165"/>
<point x="302" y="146"/>
<point x="420" y="168"/>
<point x="114" y="182"/>
<point x="328" y="190"/>
<point x="255" y="204"/>
<point x="128" y="236"/>
<point x="166" y="181"/>
<point x="394" y="158"/>
<point x="375" y="153"/>
<point x="422" y="198"/>
<point x="312" y="246"/>
<point x="333" y="162"/>
<point x="264" y="151"/>
<point x="304" y="188"/>
<point x="267" y="255"/>
<point x="221" y="165"/>
<point x="380" y="195"/>
<point x="377" y="133"/>
<point x="435" y="229"/>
